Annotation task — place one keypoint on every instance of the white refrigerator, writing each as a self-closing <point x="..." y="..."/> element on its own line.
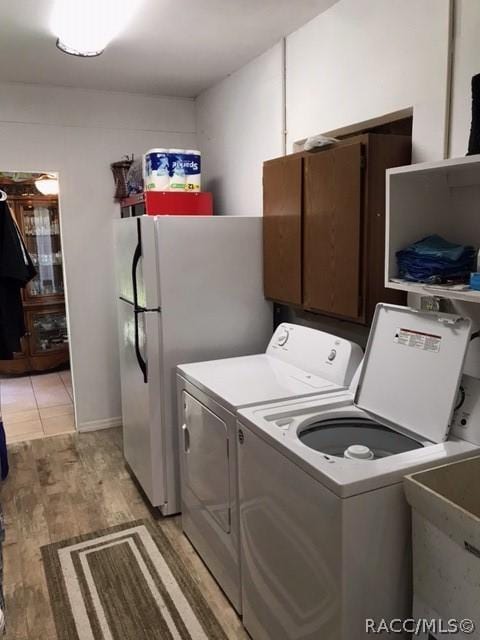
<point x="190" y="288"/>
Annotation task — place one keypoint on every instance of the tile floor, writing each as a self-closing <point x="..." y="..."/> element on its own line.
<point x="37" y="406"/>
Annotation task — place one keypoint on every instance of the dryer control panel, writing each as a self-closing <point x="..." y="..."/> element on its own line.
<point x="322" y="354"/>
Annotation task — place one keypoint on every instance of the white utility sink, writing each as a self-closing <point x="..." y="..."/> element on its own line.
<point x="445" y="505"/>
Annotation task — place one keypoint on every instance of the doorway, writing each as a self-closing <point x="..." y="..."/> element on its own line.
<point x="36" y="394"/>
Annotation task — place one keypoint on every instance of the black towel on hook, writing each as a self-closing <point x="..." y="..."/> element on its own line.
<point x="4" y="467"/>
<point x="15" y="272"/>
<point x="474" y="140"/>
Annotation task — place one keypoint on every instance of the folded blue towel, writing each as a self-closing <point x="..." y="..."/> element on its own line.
<point x="433" y="259"/>
<point x="436" y="246"/>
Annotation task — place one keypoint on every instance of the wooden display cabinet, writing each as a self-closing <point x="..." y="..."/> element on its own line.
<point x="45" y="345"/>
<point x="324" y="226"/>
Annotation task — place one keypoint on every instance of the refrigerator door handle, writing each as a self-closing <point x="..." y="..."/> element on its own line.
<point x="136" y="259"/>
<point x="136" y="309"/>
<point x="141" y="362"/>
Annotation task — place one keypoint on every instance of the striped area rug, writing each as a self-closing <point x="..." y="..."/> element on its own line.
<point x="125" y="583"/>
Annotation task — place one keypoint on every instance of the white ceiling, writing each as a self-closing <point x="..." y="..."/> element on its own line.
<point x="172" y="47"/>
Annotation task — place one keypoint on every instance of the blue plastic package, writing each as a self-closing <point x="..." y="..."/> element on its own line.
<point x="475" y="281"/>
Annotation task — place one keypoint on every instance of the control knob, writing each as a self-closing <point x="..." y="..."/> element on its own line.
<point x="283" y="338"/>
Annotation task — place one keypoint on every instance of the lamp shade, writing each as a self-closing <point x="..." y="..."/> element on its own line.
<point x="47" y="185"/>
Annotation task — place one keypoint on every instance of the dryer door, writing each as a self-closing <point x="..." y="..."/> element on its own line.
<point x="206" y="460"/>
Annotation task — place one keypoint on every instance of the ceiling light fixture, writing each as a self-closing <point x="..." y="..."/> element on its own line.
<point x="47" y="185"/>
<point x="85" y="27"/>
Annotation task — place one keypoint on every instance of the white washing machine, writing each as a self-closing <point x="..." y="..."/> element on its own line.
<point x="298" y="362"/>
<point x="324" y="525"/>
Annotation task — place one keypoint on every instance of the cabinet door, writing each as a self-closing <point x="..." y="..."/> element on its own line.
<point x="47" y="330"/>
<point x="333" y="231"/>
<point x="40" y="226"/>
<point x="282" y="229"/>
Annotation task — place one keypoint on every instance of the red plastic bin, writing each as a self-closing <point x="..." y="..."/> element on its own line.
<point x="164" y="203"/>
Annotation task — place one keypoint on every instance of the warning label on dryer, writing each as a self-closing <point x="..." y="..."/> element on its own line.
<point x="418" y="339"/>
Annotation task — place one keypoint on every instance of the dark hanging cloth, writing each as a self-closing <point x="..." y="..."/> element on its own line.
<point x="474" y="140"/>
<point x="16" y="269"/>
<point x="4" y="467"/>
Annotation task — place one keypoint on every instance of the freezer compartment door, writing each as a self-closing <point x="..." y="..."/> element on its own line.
<point x="142" y="399"/>
<point x="206" y="466"/>
<point x="136" y="262"/>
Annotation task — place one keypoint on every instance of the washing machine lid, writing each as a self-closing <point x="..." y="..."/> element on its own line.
<point x="412" y="369"/>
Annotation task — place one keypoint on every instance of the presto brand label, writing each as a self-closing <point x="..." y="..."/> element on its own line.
<point x="418" y="340"/>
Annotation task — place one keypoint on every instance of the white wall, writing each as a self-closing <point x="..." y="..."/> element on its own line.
<point x="358" y="60"/>
<point x="239" y="125"/>
<point x="365" y="58"/>
<point x="466" y="65"/>
<point x="79" y="133"/>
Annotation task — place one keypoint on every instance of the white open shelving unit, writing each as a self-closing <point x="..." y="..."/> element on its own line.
<point x="432" y="197"/>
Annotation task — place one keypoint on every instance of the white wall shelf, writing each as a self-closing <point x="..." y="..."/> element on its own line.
<point x="467" y="295"/>
<point x="432" y="198"/>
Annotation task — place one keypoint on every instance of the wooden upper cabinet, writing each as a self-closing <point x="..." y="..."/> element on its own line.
<point x="282" y="229"/>
<point x="324" y="226"/>
<point x="332" y="269"/>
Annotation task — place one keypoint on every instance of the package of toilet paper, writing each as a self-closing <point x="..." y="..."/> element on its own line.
<point x="172" y="170"/>
<point x="193" y="170"/>
<point x="156" y="170"/>
<point x="176" y="159"/>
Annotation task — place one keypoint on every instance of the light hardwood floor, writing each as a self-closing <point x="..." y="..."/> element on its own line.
<point x="65" y="486"/>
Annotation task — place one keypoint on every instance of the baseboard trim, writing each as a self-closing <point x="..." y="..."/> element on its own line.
<point x="97" y="425"/>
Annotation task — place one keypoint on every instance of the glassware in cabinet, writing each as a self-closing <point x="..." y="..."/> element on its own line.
<point x="48" y="331"/>
<point x="41" y="229"/>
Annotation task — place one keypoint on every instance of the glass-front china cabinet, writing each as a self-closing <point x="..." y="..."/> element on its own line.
<point x="40" y="225"/>
<point x="45" y="345"/>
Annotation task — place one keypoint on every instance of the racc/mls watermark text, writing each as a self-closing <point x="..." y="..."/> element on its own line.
<point x="420" y="626"/>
